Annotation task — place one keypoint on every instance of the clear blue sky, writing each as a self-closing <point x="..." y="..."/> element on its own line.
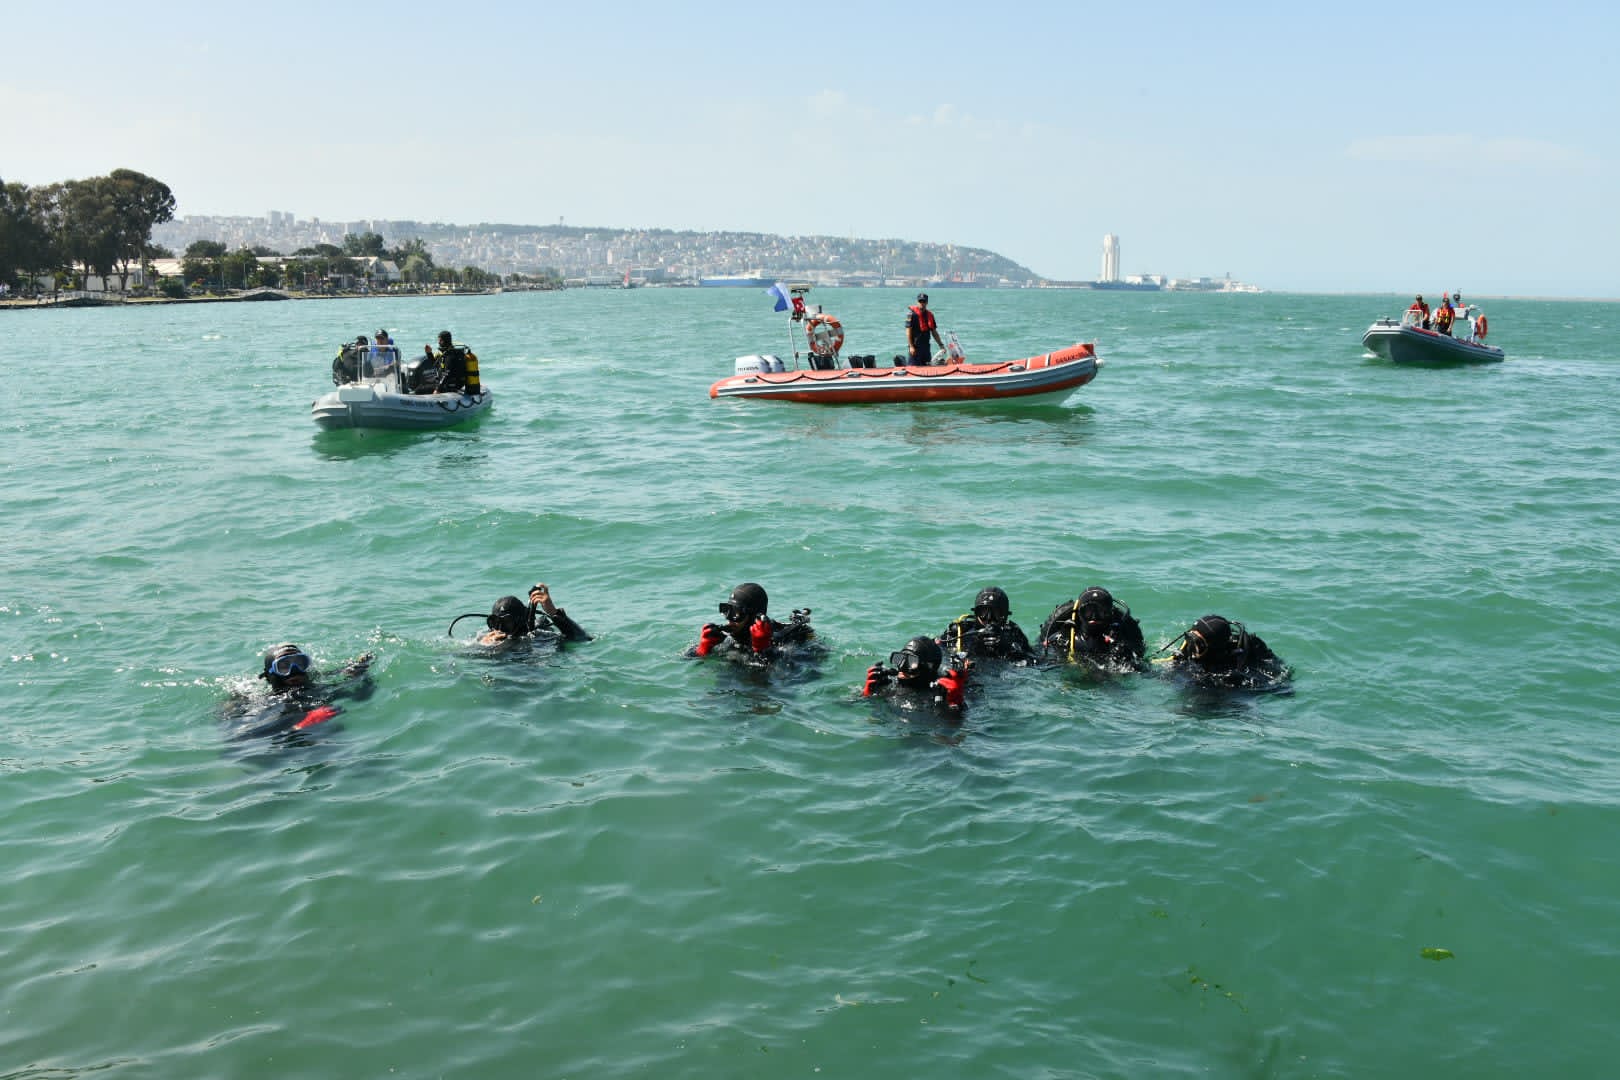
<point x="1377" y="147"/>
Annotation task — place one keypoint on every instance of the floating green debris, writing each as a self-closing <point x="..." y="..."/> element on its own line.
<point x="1432" y="953"/>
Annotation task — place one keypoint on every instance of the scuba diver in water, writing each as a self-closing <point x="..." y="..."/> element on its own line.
<point x="913" y="680"/>
<point x="987" y="632"/>
<point x="511" y="621"/>
<point x="1094" y="627"/>
<point x="749" y="632"/>
<point x="296" y="701"/>
<point x="1216" y="652"/>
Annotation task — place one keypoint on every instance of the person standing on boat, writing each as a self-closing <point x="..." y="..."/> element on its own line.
<point x="920" y="326"/>
<point x="1443" y="315"/>
<point x="988" y="632"/>
<point x="1422" y="309"/>
<point x="460" y="367"/>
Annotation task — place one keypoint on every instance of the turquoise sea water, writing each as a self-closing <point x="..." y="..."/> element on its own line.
<point x="619" y="862"/>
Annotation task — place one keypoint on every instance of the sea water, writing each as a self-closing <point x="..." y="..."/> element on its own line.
<point x="616" y="861"/>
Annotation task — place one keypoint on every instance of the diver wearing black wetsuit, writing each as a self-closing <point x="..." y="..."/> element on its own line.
<point x="748" y="632"/>
<point x="510" y="620"/>
<point x="987" y="632"/>
<point x="914" y="681"/>
<point x="296" y="702"/>
<point x="1216" y="652"/>
<point x="1095" y="627"/>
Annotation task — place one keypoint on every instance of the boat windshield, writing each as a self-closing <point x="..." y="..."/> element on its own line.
<point x="1412" y="318"/>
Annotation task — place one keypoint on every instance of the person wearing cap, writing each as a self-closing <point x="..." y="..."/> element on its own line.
<point x="1097" y="628"/>
<point x="749" y="633"/>
<point x="1219" y="653"/>
<point x="920" y="328"/>
<point x="383" y="358"/>
<point x="1422" y="309"/>
<point x="988" y="632"/>
<point x="296" y="700"/>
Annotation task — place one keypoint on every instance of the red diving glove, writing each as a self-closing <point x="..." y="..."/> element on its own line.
<point x="951" y="682"/>
<point x="876" y="678"/>
<point x="760" y="634"/>
<point x="712" y="635"/>
<point x="317" y="716"/>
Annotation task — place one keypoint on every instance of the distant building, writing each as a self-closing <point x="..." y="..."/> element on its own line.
<point x="1110" y="263"/>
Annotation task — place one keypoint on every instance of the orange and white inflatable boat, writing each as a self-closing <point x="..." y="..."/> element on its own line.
<point x="861" y="382"/>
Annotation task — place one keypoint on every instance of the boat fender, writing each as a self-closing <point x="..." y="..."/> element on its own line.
<point x="825" y="333"/>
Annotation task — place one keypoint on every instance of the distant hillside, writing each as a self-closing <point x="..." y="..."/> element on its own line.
<point x="653" y="255"/>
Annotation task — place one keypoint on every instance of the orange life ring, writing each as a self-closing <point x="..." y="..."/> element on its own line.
<point x="1480" y="326"/>
<point x="826" y="334"/>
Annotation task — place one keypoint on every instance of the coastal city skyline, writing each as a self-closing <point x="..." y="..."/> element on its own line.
<point x="606" y="256"/>
<point x="1276" y="146"/>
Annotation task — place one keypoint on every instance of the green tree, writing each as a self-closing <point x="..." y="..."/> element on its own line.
<point x="92" y="235"/>
<point x="203" y="263"/>
<point x="367" y="244"/>
<point x="29" y="223"/>
<point x="139" y="204"/>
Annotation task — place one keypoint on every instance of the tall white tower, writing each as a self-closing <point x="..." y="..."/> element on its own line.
<point x="1110" y="267"/>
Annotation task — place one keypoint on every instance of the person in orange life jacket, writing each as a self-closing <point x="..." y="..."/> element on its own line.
<point x="1419" y="306"/>
<point x="914" y="678"/>
<point x="1094" y="627"/>
<point x="749" y="631"/>
<point x="920" y="327"/>
<point x="1443" y="315"/>
<point x="296" y="701"/>
<point x="988" y="632"/>
<point x="510" y="621"/>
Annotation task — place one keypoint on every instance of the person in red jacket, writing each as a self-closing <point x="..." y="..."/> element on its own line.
<point x="920" y="327"/>
<point x="1422" y="309"/>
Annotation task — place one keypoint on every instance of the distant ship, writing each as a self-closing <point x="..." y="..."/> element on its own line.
<point x="1133" y="286"/>
<point x="737" y="281"/>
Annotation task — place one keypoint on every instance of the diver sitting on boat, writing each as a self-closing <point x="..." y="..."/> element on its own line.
<point x="346" y="365"/>
<point x="459" y="364"/>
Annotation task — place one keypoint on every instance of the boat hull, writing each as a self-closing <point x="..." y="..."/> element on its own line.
<point x="361" y="406"/>
<point x="1066" y="369"/>
<point x="1414" y="345"/>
